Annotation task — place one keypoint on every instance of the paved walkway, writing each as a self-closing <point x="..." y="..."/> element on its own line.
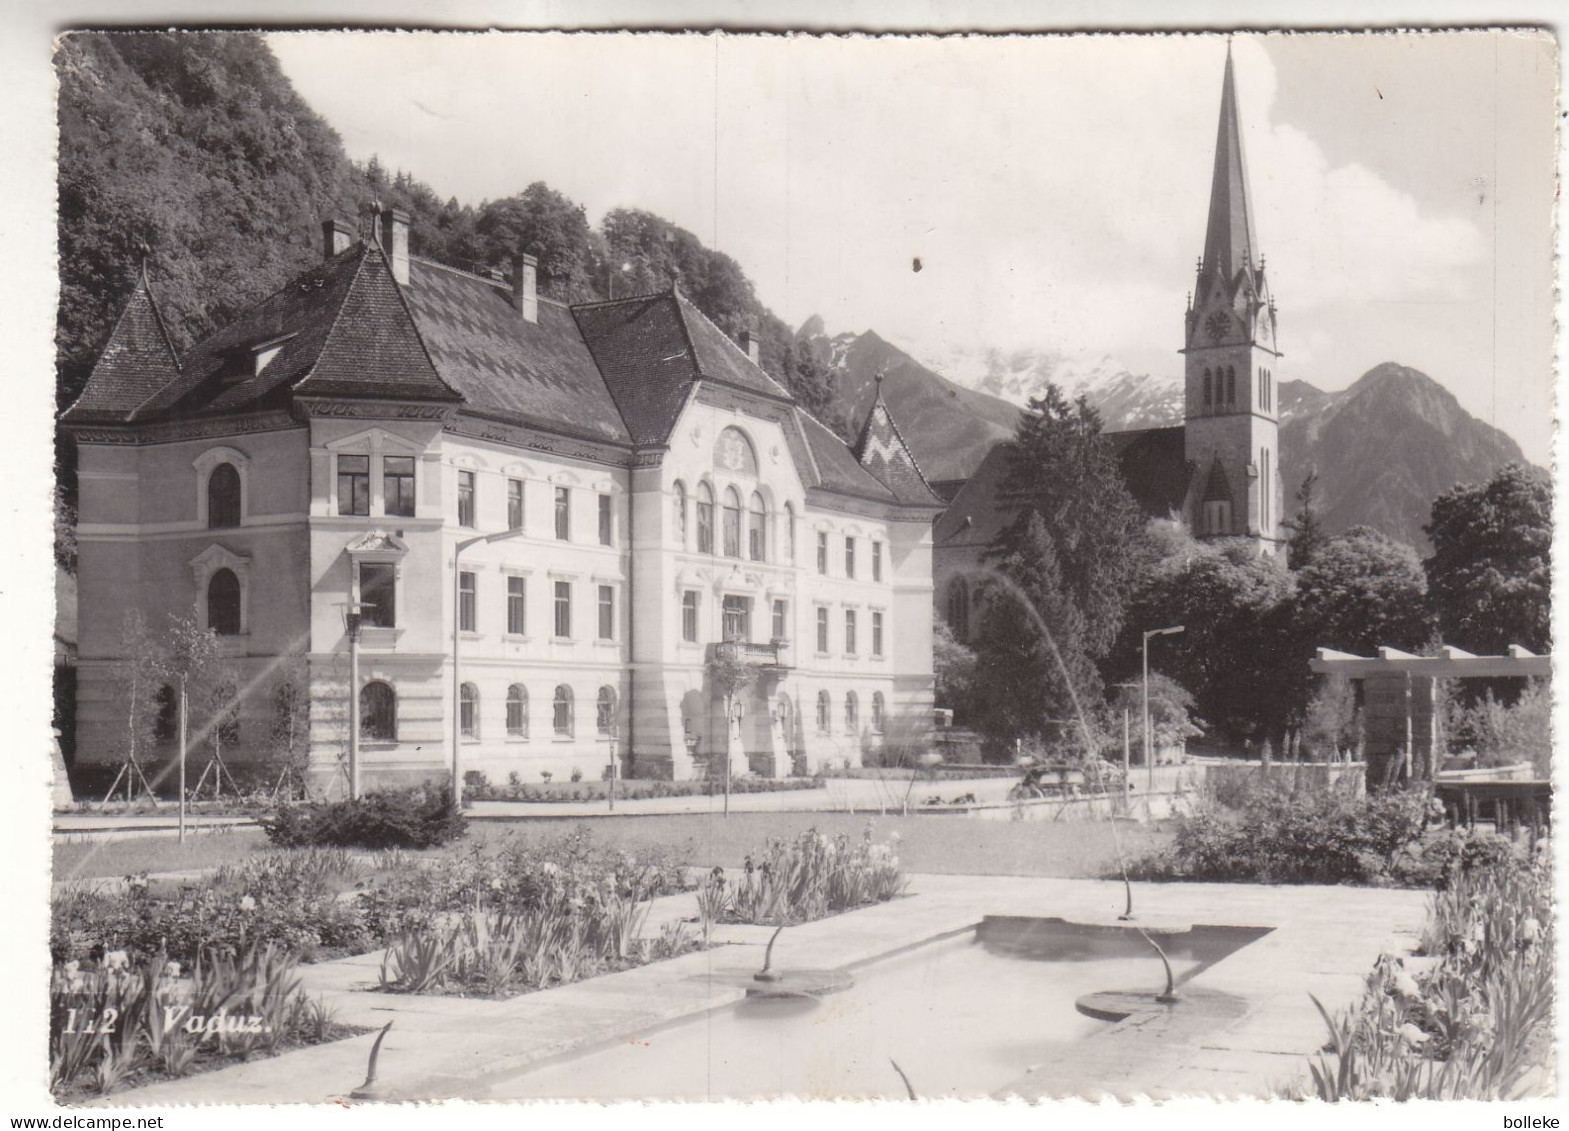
<point x="1324" y="941"/>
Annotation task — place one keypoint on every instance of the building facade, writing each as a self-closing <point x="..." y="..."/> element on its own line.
<point x="1218" y="473"/>
<point x="547" y="521"/>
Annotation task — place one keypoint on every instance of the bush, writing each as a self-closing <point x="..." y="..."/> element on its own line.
<point x="419" y="817"/>
<point x="1331" y="836"/>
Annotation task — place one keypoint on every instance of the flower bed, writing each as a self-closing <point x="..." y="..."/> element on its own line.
<point x="476" y="787"/>
<point x="809" y="877"/>
<point x="1477" y="1023"/>
<point x="115" y="1023"/>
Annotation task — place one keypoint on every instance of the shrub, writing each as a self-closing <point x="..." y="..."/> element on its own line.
<point x="805" y="878"/>
<point x="418" y="817"/>
<point x="1332" y="835"/>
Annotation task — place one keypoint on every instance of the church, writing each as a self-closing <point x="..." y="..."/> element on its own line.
<point x="475" y="528"/>
<point x="1219" y="471"/>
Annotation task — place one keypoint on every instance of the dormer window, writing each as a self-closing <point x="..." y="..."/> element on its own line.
<point x="262" y="353"/>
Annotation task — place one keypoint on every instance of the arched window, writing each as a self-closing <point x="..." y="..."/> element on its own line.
<point x="879" y="715"/>
<point x="517" y="711"/>
<point x="756" y="530"/>
<point x="705" y="519"/>
<point x="378" y="712"/>
<point x="561" y="711"/>
<point x="732" y="523"/>
<point x="824" y="706"/>
<point x="1208" y="389"/>
<point x="468" y="710"/>
<point x="1231" y="384"/>
<point x="166" y="723"/>
<point x="223" y="603"/>
<point x="789" y="533"/>
<point x="678" y="502"/>
<point x="223" y="497"/>
<point x="959" y="608"/>
<point x="605" y="711"/>
<point x="852" y="712"/>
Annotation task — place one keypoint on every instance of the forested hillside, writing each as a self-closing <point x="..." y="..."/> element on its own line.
<point x="195" y="153"/>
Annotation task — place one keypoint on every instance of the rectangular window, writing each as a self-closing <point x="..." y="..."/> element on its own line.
<point x="849" y="632"/>
<point x="689" y="616"/>
<point x="781" y="625"/>
<point x="514" y="504"/>
<point x="849" y="556"/>
<point x="738" y="618"/>
<point x="705" y="524"/>
<point x="354" y="484"/>
<point x="605" y="521"/>
<point x="378" y="594"/>
<point x="563" y="609"/>
<point x="563" y="515"/>
<point x="466" y="592"/>
<point x="397" y="485"/>
<point x="822" y="552"/>
<point x="877" y="561"/>
<point x="607" y="612"/>
<point x="877" y="634"/>
<point x="822" y="630"/>
<point x="517" y="623"/>
<point x="465" y="498"/>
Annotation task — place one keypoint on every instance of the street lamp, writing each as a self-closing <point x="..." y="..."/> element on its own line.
<point x="457" y="625"/>
<point x="1149" y="742"/>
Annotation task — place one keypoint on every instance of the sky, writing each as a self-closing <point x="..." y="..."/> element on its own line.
<point x="1054" y="189"/>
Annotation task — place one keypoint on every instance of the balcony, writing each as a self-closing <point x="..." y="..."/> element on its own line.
<point x="773" y="656"/>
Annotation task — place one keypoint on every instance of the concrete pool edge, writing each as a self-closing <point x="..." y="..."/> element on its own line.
<point x="1324" y="941"/>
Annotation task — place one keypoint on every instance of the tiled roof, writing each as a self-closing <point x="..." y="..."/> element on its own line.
<point x="837" y="469"/>
<point x="341" y="328"/>
<point x="975" y="515"/>
<point x="525" y="372"/>
<point x="137" y="362"/>
<point x="616" y="371"/>
<point x="646" y="358"/>
<point x="1154" y="466"/>
<point x="719" y="358"/>
<point x="882" y="451"/>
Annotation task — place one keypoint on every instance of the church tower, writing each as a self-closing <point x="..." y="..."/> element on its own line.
<point x="1231" y="439"/>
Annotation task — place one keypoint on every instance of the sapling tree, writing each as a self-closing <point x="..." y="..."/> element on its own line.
<point x="191" y="650"/>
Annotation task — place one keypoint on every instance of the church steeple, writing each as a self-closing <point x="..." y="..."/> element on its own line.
<point x="1231" y="431"/>
<point x="1229" y="244"/>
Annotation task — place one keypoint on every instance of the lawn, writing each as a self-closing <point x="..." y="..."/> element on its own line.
<point x="948" y="845"/>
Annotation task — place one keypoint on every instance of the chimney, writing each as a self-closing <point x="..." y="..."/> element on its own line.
<point x="525" y="292"/>
<point x="748" y="341"/>
<point x="394" y="234"/>
<point x="336" y="236"/>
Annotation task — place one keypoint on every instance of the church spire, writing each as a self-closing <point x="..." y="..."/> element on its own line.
<point x="1228" y="242"/>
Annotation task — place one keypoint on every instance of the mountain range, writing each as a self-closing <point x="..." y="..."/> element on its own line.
<point x="1383" y="448"/>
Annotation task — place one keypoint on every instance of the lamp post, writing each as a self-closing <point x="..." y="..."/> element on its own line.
<point x="1149" y="741"/>
<point x="457" y="625"/>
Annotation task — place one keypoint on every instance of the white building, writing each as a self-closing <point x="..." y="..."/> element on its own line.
<point x="334" y="445"/>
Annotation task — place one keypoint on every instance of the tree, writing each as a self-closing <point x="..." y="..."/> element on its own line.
<point x="1359" y="591"/>
<point x="1331" y="723"/>
<point x="1172" y="718"/>
<point x="137" y="691"/>
<point x="1232" y="602"/>
<point x="1489" y="576"/>
<point x="1307" y="529"/>
<point x="1033" y="674"/>
<point x="1065" y="473"/>
<point x="541" y="221"/>
<point x="953" y="668"/>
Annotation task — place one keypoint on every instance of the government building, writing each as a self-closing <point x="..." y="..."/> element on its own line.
<point x="1218" y="473"/>
<point x="548" y="528"/>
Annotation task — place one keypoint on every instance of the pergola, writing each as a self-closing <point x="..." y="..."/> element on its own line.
<point x="1399" y="705"/>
